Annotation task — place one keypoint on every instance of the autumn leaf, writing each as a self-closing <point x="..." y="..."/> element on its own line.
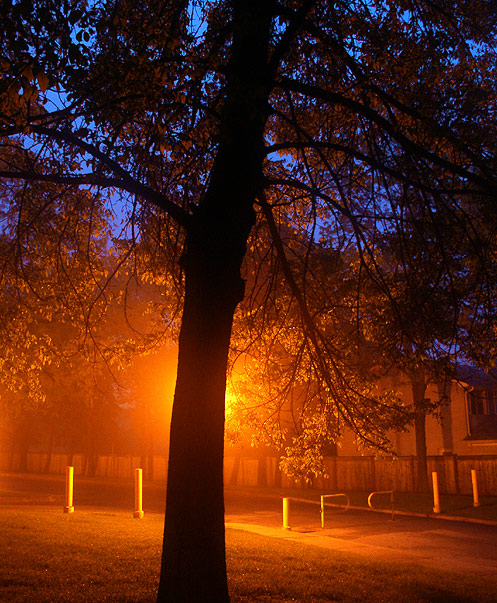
<point x="42" y="79"/>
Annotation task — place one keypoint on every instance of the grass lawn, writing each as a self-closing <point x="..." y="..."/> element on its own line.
<point x="47" y="556"/>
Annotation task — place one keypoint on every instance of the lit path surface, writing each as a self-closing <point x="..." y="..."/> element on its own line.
<point x="451" y="545"/>
<point x="447" y="545"/>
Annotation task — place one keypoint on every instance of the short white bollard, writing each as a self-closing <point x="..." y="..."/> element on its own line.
<point x="436" y="496"/>
<point x="286" y="514"/>
<point x="138" y="494"/>
<point x="69" y="508"/>
<point x="474" y="481"/>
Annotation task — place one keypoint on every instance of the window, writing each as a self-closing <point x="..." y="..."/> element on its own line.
<point x="483" y="402"/>
<point x="491" y="403"/>
<point x="476" y="402"/>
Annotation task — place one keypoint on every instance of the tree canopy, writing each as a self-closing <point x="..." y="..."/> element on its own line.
<point x="345" y="120"/>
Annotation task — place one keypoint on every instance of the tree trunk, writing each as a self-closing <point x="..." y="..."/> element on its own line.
<point x="421" y="458"/>
<point x="23" y="459"/>
<point x="24" y="435"/>
<point x="277" y="473"/>
<point x="91" y="456"/>
<point x="150" y="466"/>
<point x="418" y="386"/>
<point x="48" y="460"/>
<point x="193" y="558"/>
<point x="236" y="469"/>
<point x="262" y="468"/>
<point x="193" y="563"/>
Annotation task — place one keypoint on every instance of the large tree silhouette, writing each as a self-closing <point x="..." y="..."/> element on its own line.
<point x="216" y="116"/>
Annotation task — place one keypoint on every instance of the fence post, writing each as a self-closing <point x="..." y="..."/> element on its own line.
<point x="286" y="514"/>
<point x="373" y="472"/>
<point x="436" y="496"/>
<point x="69" y="508"/>
<point x="456" y="473"/>
<point x="138" y="494"/>
<point x="474" y="481"/>
<point x="335" y="473"/>
<point x="412" y="467"/>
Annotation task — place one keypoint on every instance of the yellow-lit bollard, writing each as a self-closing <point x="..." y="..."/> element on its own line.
<point x="474" y="481"/>
<point x="69" y="508"/>
<point x="436" y="496"/>
<point x="286" y="514"/>
<point x="138" y="493"/>
<point x="322" y="511"/>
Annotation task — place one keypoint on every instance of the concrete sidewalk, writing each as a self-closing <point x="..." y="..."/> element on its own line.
<point x="455" y="546"/>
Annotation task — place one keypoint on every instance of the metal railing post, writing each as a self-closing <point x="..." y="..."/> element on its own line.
<point x="392" y="507"/>
<point x="323" y="496"/>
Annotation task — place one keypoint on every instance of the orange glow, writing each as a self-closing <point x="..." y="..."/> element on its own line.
<point x="152" y="379"/>
<point x="229" y="400"/>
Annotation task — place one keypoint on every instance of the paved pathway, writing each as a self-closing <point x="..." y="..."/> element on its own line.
<point x="447" y="545"/>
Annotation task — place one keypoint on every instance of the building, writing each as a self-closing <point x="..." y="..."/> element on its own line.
<point x="466" y="423"/>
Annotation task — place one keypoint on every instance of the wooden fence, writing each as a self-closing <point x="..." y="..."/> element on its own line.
<point x="344" y="473"/>
<point x="112" y="466"/>
<point x="372" y="474"/>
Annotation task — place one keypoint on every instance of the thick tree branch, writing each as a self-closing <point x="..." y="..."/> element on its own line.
<point x="367" y="159"/>
<point x="295" y="22"/>
<point x="131" y="186"/>
<point x="365" y="81"/>
<point x="486" y="186"/>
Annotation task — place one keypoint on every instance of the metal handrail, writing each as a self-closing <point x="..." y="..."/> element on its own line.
<point x="286" y="508"/>
<point x="383" y="492"/>
<point x="323" y="496"/>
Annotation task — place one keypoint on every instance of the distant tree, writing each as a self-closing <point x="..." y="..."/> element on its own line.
<point x="73" y="312"/>
<point x="222" y="115"/>
<point x="425" y="300"/>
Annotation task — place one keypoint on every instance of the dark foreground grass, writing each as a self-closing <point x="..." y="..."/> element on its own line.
<point x="263" y="569"/>
<point x="46" y="556"/>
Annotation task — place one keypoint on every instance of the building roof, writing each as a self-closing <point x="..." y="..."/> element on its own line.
<point x="476" y="377"/>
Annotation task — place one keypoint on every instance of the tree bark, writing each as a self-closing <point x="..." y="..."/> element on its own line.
<point x="421" y="457"/>
<point x="193" y="559"/>
<point x="193" y="563"/>
<point x="262" y="468"/>
<point x="418" y="386"/>
<point x="236" y="469"/>
<point x="48" y="460"/>
<point x="24" y="435"/>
